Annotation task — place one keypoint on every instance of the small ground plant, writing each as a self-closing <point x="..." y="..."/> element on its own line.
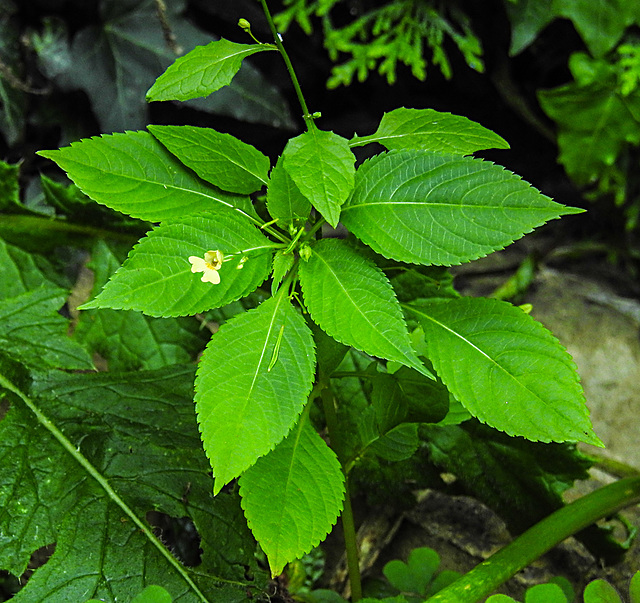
<point x="332" y="349"/>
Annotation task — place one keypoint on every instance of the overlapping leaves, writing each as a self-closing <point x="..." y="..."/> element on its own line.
<point x="133" y="173"/>
<point x="293" y="496"/>
<point x="252" y="383"/>
<point x="137" y="430"/>
<point x="157" y="279"/>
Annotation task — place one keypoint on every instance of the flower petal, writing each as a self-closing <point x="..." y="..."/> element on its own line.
<point x="197" y="264"/>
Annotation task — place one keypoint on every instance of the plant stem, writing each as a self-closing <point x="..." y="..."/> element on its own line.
<point x="111" y="493"/>
<point x="348" y="525"/>
<point x="308" y="119"/>
<point x="537" y="540"/>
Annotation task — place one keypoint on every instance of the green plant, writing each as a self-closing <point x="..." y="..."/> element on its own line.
<point x="362" y="340"/>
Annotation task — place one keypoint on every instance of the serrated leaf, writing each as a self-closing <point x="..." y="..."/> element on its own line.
<point x="157" y="279"/>
<point x="202" y="71"/>
<point x="293" y="496"/>
<point x="138" y="432"/>
<point x="321" y="166"/>
<point x="351" y="299"/>
<point x="252" y="383"/>
<point x="426" y="208"/>
<point x="218" y="158"/>
<point x="134" y="174"/>
<point x="282" y="263"/>
<point x="285" y="202"/>
<point x="430" y="130"/>
<point x="129" y="340"/>
<point x="506" y="369"/>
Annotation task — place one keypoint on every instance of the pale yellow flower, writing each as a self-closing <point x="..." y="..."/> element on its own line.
<point x="209" y="266"/>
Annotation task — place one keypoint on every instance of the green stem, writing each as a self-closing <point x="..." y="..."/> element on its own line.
<point x="93" y="472"/>
<point x="348" y="524"/>
<point x="536" y="541"/>
<point x="292" y="74"/>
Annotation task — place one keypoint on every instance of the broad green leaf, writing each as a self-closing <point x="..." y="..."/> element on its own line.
<point x="321" y="166"/>
<point x="203" y="70"/>
<point x="351" y="299"/>
<point x="138" y="432"/>
<point x="285" y="202"/>
<point x="427" y="208"/>
<point x="595" y="123"/>
<point x="32" y="330"/>
<point x="157" y="279"/>
<point x="293" y="496"/>
<point x="600" y="591"/>
<point x="129" y="340"/>
<point x="430" y="130"/>
<point x="506" y="369"/>
<point x="133" y="173"/>
<point x="600" y="23"/>
<point x="218" y="158"/>
<point x="634" y="588"/>
<point x="252" y="383"/>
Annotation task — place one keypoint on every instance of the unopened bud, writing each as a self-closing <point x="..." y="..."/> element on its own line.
<point x="244" y="24"/>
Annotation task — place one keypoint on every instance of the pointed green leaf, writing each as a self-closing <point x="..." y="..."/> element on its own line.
<point x="282" y="263"/>
<point x="506" y="369"/>
<point x="321" y="165"/>
<point x="202" y="71"/>
<point x="426" y="208"/>
<point x="157" y="279"/>
<point x="247" y="403"/>
<point x="351" y="299"/>
<point x="285" y="202"/>
<point x="133" y="173"/>
<point x="218" y="158"/>
<point x="293" y="496"/>
<point x="431" y="130"/>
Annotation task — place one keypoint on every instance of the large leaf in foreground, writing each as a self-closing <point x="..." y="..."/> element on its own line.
<point x="203" y="70"/>
<point x="321" y="165"/>
<point x="138" y="432"/>
<point x="427" y="208"/>
<point x="506" y="369"/>
<point x="253" y="381"/>
<point x="350" y="298"/>
<point x="431" y="130"/>
<point x="293" y="496"/>
<point x="133" y="173"/>
<point x="218" y="158"/>
<point x="156" y="278"/>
